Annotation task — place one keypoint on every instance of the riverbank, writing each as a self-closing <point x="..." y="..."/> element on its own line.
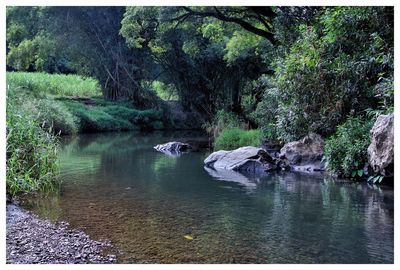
<point x="30" y="239"/>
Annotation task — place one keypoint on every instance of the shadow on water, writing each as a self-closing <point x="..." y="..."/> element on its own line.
<point x="116" y="186"/>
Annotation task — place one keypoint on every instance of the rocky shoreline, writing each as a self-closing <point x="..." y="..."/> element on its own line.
<point x="31" y="240"/>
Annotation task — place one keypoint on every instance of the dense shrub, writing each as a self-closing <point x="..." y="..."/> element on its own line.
<point x="342" y="62"/>
<point x="232" y="138"/>
<point x="222" y="120"/>
<point x="31" y="152"/>
<point x="267" y="109"/>
<point x="346" y="151"/>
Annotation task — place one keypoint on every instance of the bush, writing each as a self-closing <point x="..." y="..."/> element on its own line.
<point x="346" y="151"/>
<point x="267" y="110"/>
<point x="222" y="120"/>
<point x="232" y="138"/>
<point x="31" y="152"/>
<point x="55" y="84"/>
<point x="317" y="76"/>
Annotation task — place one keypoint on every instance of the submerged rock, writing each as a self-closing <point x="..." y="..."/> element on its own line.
<point x="248" y="158"/>
<point x="305" y="154"/>
<point x="381" y="149"/>
<point x="173" y="148"/>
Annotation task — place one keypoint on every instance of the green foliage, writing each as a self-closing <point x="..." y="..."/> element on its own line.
<point x="241" y="45"/>
<point x="95" y="119"/>
<point x="49" y="98"/>
<point x="165" y="91"/>
<point x="222" y="120"/>
<point x="54" y="84"/>
<point x="232" y="138"/>
<point x="317" y="75"/>
<point x="267" y="110"/>
<point x="346" y="151"/>
<point x="229" y="134"/>
<point x="32" y="163"/>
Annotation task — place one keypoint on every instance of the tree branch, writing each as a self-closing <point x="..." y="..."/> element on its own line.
<point x="245" y="25"/>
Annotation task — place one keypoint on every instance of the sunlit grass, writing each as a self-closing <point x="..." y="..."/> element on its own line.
<point x="54" y="84"/>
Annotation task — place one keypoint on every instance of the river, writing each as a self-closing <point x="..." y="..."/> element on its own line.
<point x="116" y="186"/>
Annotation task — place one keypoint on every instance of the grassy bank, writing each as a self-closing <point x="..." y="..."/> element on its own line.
<point x="31" y="151"/>
<point x="41" y="106"/>
<point x="233" y="138"/>
<point x="54" y="84"/>
<point x="70" y="104"/>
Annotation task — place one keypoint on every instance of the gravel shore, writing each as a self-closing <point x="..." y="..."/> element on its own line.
<point x="33" y="240"/>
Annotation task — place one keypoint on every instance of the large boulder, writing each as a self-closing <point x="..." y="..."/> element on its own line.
<point x="173" y="148"/>
<point x="381" y="149"/>
<point x="305" y="154"/>
<point x="248" y="158"/>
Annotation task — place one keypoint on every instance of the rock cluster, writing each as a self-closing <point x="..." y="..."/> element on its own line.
<point x="303" y="155"/>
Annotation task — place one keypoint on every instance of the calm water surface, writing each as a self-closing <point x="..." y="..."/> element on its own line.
<point x="117" y="187"/>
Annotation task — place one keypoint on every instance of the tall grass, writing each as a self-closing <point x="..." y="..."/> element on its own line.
<point x="54" y="84"/>
<point x="31" y="152"/>
<point x="232" y="138"/>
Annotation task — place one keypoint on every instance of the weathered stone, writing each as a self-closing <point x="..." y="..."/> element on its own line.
<point x="305" y="154"/>
<point x="381" y="149"/>
<point x="173" y="148"/>
<point x="248" y="158"/>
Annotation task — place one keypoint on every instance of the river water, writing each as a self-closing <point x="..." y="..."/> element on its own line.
<point x="117" y="187"/>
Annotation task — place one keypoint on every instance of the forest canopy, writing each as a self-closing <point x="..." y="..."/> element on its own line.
<point x="286" y="70"/>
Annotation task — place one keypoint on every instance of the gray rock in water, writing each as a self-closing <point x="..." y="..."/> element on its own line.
<point x="248" y="158"/>
<point x="173" y="148"/>
<point x="305" y="154"/>
<point x="381" y="149"/>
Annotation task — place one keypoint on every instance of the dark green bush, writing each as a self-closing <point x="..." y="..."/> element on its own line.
<point x="346" y="151"/>
<point x="232" y="138"/>
<point x="341" y="62"/>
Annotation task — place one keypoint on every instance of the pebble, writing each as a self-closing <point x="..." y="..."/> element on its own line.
<point x="30" y="239"/>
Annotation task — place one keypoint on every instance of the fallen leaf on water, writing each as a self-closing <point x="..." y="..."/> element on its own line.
<point x="188" y="237"/>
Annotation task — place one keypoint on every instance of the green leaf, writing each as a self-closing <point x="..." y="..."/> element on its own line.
<point x="360" y="173"/>
<point x="353" y="173"/>
<point x="370" y="178"/>
<point x="356" y="163"/>
<point x="380" y="178"/>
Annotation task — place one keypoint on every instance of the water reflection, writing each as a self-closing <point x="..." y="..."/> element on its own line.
<point x="117" y="187"/>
